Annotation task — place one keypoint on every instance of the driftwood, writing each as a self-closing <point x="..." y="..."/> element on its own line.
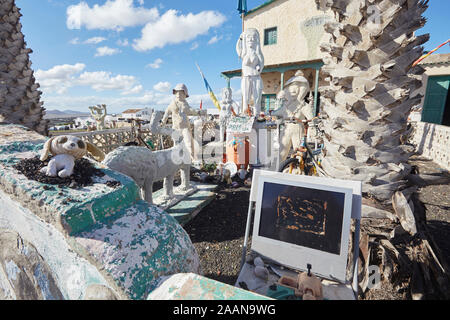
<point x="422" y="180"/>
<point x="404" y="212"/>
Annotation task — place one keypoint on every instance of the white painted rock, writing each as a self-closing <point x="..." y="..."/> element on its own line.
<point x="24" y="275"/>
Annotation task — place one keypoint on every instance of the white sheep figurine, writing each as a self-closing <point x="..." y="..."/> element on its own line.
<point x="146" y="167"/>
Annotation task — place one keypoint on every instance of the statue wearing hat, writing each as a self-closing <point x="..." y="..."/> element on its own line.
<point x="179" y="109"/>
<point x="293" y="108"/>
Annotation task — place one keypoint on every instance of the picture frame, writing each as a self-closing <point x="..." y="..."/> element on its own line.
<point x="292" y="249"/>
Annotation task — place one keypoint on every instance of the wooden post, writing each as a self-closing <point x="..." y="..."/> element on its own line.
<point x="316" y="90"/>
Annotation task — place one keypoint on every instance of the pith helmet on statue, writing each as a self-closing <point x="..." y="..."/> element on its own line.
<point x="298" y="77"/>
<point x="181" y="87"/>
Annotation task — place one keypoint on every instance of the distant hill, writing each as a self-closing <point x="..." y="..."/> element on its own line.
<point x="52" y="114"/>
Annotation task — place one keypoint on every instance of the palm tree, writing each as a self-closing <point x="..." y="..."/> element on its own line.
<point x="19" y="95"/>
<point x="370" y="95"/>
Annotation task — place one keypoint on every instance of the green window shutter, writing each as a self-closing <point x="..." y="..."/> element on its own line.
<point x="270" y="36"/>
<point x="435" y="99"/>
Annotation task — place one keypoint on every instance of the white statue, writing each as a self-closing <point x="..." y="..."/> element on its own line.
<point x="99" y="113"/>
<point x="65" y="149"/>
<point x="179" y="109"/>
<point x="293" y="108"/>
<point x="248" y="49"/>
<point x="228" y="109"/>
<point x="146" y="167"/>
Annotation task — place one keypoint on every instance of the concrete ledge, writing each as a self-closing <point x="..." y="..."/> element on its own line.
<point x="189" y="207"/>
<point x="96" y="236"/>
<point x="189" y="286"/>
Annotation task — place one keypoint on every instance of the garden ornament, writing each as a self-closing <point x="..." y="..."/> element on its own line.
<point x="65" y="150"/>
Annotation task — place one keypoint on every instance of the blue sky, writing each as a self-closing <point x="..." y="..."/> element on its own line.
<point x="131" y="53"/>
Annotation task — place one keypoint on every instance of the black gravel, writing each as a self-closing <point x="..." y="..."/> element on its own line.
<point x="83" y="173"/>
<point x="217" y="233"/>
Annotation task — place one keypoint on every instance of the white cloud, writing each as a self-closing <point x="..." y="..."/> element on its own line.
<point x="103" y="80"/>
<point x="106" y="51"/>
<point x="172" y="28"/>
<point x="194" y="46"/>
<point x="162" y="86"/>
<point x="59" y="78"/>
<point x="214" y="39"/>
<point x="113" y="15"/>
<point x="94" y="40"/>
<point x="123" y="43"/>
<point x="141" y="2"/>
<point x="151" y="99"/>
<point x="135" y="90"/>
<point x="74" y="41"/>
<point x="155" y="64"/>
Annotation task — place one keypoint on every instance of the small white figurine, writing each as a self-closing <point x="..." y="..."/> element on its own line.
<point x="146" y="167"/>
<point x="65" y="149"/>
<point x="179" y="109"/>
<point x="248" y="49"/>
<point x="99" y="113"/>
<point x="293" y="108"/>
<point x="228" y="109"/>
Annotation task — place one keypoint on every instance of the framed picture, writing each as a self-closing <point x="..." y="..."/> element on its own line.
<point x="301" y="220"/>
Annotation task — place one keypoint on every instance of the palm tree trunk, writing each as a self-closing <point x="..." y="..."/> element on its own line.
<point x="370" y="94"/>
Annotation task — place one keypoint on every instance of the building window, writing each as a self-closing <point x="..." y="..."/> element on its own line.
<point x="270" y="36"/>
<point x="268" y="102"/>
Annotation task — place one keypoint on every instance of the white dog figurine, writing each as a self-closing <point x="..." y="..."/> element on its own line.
<point x="65" y="149"/>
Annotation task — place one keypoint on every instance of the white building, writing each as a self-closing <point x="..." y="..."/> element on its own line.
<point x="84" y="122"/>
<point x="291" y="32"/>
<point x="142" y="114"/>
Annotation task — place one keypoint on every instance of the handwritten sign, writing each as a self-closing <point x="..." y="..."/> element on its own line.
<point x="240" y="124"/>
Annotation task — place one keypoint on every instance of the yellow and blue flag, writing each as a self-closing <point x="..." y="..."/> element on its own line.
<point x="208" y="88"/>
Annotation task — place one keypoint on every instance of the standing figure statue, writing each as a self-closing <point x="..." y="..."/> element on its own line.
<point x="248" y="49"/>
<point x="293" y="108"/>
<point x="99" y="113"/>
<point x="228" y="107"/>
<point x="179" y="109"/>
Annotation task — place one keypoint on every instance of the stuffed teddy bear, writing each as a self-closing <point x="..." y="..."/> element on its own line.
<point x="65" y="149"/>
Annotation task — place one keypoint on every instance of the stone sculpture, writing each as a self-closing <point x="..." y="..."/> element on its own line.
<point x="99" y="113"/>
<point x="20" y="100"/>
<point x="228" y="109"/>
<point x="179" y="109"/>
<point x="248" y="48"/>
<point x="65" y="149"/>
<point x="145" y="166"/>
<point x="293" y="108"/>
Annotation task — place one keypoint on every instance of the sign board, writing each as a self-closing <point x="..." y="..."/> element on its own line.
<point x="303" y="221"/>
<point x="240" y="124"/>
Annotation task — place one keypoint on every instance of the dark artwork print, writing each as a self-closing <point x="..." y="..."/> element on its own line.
<point x="306" y="217"/>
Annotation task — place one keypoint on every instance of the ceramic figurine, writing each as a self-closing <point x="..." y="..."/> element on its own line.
<point x="145" y="166"/>
<point x="293" y="108"/>
<point x="179" y="109"/>
<point x="65" y="149"/>
<point x="99" y="113"/>
<point x="248" y="49"/>
<point x="228" y="109"/>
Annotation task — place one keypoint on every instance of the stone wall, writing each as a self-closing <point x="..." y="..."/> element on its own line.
<point x="433" y="142"/>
